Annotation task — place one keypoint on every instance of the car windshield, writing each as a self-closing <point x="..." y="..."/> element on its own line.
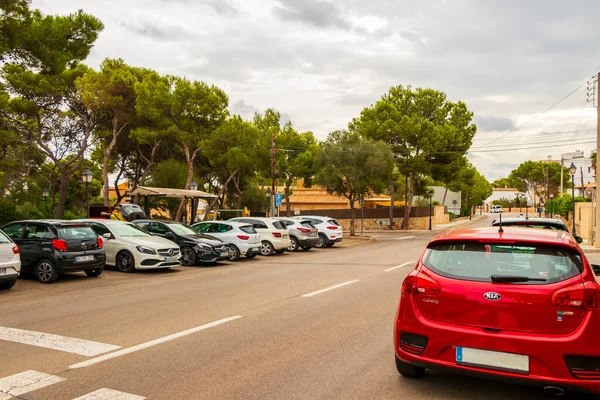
<point x="333" y="222"/>
<point x="130" y="208"/>
<point x="531" y="263"/>
<point x="183" y="230"/>
<point x="78" y="232"/>
<point x="306" y="224"/>
<point x="128" y="230"/>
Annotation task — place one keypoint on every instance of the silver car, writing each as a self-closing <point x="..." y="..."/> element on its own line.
<point x="241" y="238"/>
<point x="303" y="234"/>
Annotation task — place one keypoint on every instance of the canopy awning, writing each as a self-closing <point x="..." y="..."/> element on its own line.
<point x="168" y="192"/>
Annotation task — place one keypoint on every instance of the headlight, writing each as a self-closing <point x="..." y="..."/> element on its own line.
<point x="204" y="247"/>
<point x="145" y="250"/>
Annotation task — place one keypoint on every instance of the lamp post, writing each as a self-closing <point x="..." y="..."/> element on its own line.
<point x="362" y="214"/>
<point x="551" y="197"/>
<point x="520" y="203"/>
<point x="86" y="177"/>
<point x="194" y="187"/>
<point x="590" y="192"/>
<point x="45" y="194"/>
<point x="572" y="171"/>
<point x="269" y="193"/>
<point x="430" y="193"/>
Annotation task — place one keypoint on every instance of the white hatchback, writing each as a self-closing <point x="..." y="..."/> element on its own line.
<point x="330" y="231"/>
<point x="274" y="235"/>
<point x="241" y="238"/>
<point x="10" y="262"/>
<point x="129" y="247"/>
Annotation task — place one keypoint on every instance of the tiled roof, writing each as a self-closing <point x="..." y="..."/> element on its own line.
<point x="303" y="198"/>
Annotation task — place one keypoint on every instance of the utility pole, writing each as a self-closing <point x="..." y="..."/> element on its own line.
<point x="562" y="160"/>
<point x="547" y="185"/>
<point x="272" y="175"/>
<point x="597" y="230"/>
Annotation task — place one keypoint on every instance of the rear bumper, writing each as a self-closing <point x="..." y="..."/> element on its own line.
<point x="281" y="244"/>
<point x="305" y="242"/>
<point x="249" y="248"/>
<point x="8" y="277"/>
<point x="12" y="270"/>
<point x="334" y="237"/>
<point x="546" y="353"/>
<point x="67" y="263"/>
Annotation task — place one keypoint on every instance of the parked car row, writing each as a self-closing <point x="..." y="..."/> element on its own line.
<point x="49" y="248"/>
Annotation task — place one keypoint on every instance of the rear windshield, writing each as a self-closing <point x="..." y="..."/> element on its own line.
<point x="307" y="224"/>
<point x="4" y="238"/>
<point x="247" y="229"/>
<point x="333" y="222"/>
<point x="279" y="225"/>
<point x="530" y="263"/>
<point x="76" y="233"/>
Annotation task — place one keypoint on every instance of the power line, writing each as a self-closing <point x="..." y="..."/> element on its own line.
<point x="545" y="134"/>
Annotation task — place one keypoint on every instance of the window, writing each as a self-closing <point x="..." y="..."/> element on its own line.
<point x="202" y="227"/>
<point x="287" y="222"/>
<point x="306" y="224"/>
<point x="474" y="261"/>
<point x="159" y="229"/>
<point x="333" y="222"/>
<point x="14" y="231"/>
<point x="181" y="229"/>
<point x="4" y="238"/>
<point x="279" y="225"/>
<point x="128" y="230"/>
<point x="316" y="221"/>
<point x="36" y="232"/>
<point x="100" y="229"/>
<point x="76" y="232"/>
<point x="247" y="229"/>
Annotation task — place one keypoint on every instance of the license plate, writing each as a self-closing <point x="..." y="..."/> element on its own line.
<point x="3" y="271"/>
<point x="492" y="359"/>
<point x="170" y="259"/>
<point x="84" y="258"/>
<point x="224" y="254"/>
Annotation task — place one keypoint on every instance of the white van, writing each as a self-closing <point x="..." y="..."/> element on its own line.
<point x="496" y="208"/>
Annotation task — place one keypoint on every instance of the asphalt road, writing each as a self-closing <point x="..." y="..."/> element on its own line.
<point x="277" y="334"/>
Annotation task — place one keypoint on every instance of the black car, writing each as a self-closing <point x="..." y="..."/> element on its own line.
<point x="540" y="223"/>
<point x="195" y="247"/>
<point x="50" y="248"/>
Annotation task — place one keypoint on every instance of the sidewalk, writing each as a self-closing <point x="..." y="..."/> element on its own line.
<point x="589" y="249"/>
<point x="440" y="227"/>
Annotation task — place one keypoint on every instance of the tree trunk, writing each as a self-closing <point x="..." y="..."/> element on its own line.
<point x="65" y="180"/>
<point x="190" y="163"/>
<point x="408" y="206"/>
<point x="288" y="205"/>
<point x="392" y="195"/>
<point x="116" y="132"/>
<point x="221" y="191"/>
<point x="444" y="198"/>
<point x="149" y="165"/>
<point x="352" y="218"/>
<point x="236" y="183"/>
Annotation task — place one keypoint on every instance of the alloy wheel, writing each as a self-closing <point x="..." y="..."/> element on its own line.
<point x="45" y="271"/>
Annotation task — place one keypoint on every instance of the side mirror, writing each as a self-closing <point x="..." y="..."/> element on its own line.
<point x="170" y="235"/>
<point x="596" y="269"/>
<point x="107" y="236"/>
<point x="579" y="239"/>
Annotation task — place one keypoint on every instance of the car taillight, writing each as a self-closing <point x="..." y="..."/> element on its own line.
<point x="304" y="230"/>
<point x="243" y="237"/>
<point x="585" y="295"/>
<point x="100" y="242"/>
<point x="59" y="245"/>
<point x="416" y="283"/>
<point x="277" y="234"/>
<point x="16" y="250"/>
<point x="333" y="228"/>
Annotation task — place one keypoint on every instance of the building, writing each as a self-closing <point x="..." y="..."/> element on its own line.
<point x="505" y="193"/>
<point x="585" y="173"/>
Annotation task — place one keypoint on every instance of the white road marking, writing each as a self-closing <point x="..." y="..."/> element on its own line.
<point x="142" y="346"/>
<point x="55" y="342"/>
<point x="399" y="266"/>
<point x="405" y="237"/>
<point x="25" y="382"/>
<point x="109" y="394"/>
<point x="330" y="288"/>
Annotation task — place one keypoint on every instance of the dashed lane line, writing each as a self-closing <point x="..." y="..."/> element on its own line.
<point x="399" y="266"/>
<point x="329" y="288"/>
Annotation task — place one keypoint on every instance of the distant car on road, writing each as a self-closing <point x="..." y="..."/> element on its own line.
<point x="195" y="248"/>
<point x="241" y="238"/>
<point x="496" y="208"/>
<point x="303" y="233"/>
<point x="129" y="247"/>
<point x="274" y="235"/>
<point x="50" y="248"/>
<point x="10" y="262"/>
<point x="330" y="231"/>
<point x="539" y="223"/>
<point x="519" y="306"/>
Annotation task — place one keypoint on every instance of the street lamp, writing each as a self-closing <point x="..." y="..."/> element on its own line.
<point x="269" y="193"/>
<point x="86" y="177"/>
<point x="45" y="194"/>
<point x="194" y="187"/>
<point x="572" y="171"/>
<point x="551" y="197"/>
<point x="430" y="193"/>
<point x="362" y="214"/>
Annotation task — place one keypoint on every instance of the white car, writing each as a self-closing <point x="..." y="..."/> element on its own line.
<point x="241" y="238"/>
<point x="330" y="231"/>
<point x="10" y="262"/>
<point x="129" y="247"/>
<point x="274" y="236"/>
<point x="496" y="208"/>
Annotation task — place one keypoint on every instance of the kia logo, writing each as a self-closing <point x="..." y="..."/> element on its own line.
<point x="492" y="296"/>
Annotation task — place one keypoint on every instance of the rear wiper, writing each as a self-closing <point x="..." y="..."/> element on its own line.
<point x="515" y="278"/>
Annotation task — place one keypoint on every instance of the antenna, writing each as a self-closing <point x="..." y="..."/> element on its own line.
<point x="500" y="230"/>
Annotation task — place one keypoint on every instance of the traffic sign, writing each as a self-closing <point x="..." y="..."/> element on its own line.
<point x="278" y="199"/>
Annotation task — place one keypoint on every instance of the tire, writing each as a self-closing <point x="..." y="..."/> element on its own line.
<point x="188" y="256"/>
<point x="45" y="271"/>
<point x="7" y="284"/>
<point x="266" y="248"/>
<point x="280" y="251"/>
<point x="251" y="255"/>
<point x="322" y="241"/>
<point x="306" y="248"/>
<point x="125" y="261"/>
<point x="408" y="370"/>
<point x="295" y="245"/>
<point x="94" y="273"/>
<point x="234" y="252"/>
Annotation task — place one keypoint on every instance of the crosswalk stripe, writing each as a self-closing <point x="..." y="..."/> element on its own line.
<point x="55" y="342"/>
<point x="109" y="394"/>
<point x="25" y="382"/>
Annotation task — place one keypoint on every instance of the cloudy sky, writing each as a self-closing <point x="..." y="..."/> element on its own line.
<point x="320" y="62"/>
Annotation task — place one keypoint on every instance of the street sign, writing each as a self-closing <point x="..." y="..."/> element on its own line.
<point x="278" y="199"/>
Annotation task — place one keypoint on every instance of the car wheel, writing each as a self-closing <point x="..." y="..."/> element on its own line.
<point x="251" y="255"/>
<point x="234" y="252"/>
<point x="188" y="256"/>
<point x="306" y="248"/>
<point x="408" y="370"/>
<point x="125" y="261"/>
<point x="94" y="273"/>
<point x="266" y="248"/>
<point x="294" y="245"/>
<point x="7" y="284"/>
<point x="45" y="272"/>
<point x="322" y="241"/>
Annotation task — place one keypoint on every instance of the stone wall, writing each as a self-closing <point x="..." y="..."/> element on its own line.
<point x="414" y="223"/>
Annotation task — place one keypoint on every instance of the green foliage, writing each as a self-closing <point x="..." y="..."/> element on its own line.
<point x="503" y="183"/>
<point x="168" y="174"/>
<point x="531" y="177"/>
<point x="8" y="211"/>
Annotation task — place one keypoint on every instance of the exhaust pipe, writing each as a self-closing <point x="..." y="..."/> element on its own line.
<point x="554" y="391"/>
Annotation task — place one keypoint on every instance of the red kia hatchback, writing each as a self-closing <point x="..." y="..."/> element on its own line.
<point x="519" y="305"/>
